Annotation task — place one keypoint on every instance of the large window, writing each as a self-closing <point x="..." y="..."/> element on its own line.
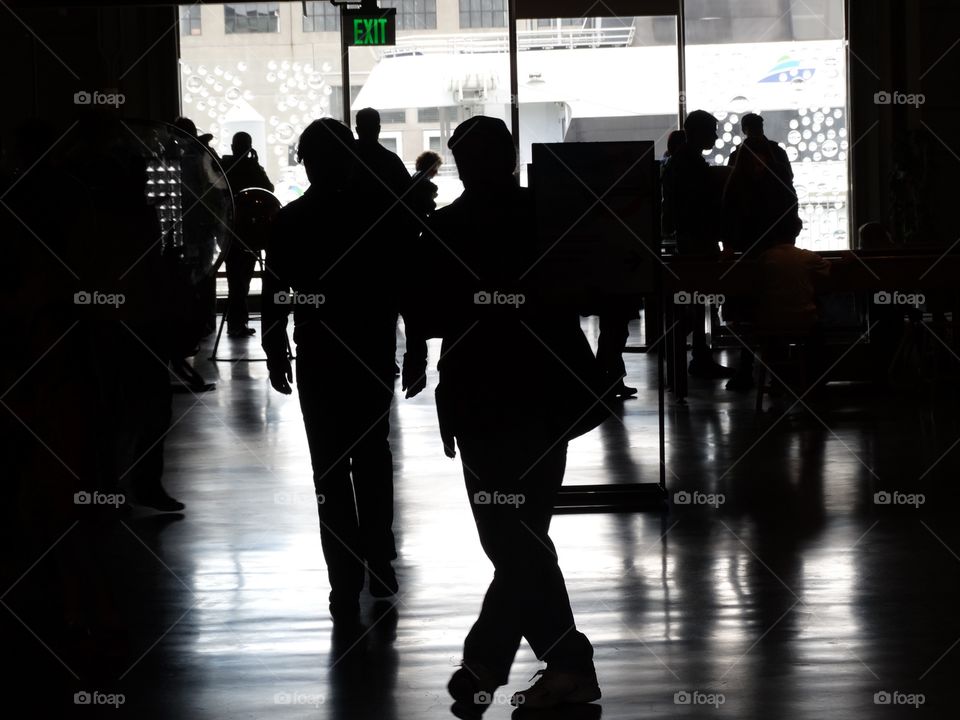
<point x="190" y="20"/>
<point x="787" y="62"/>
<point x="336" y="100"/>
<point x="559" y="22"/>
<point x="321" y="17"/>
<point x="251" y="17"/>
<point x="414" y="14"/>
<point x="483" y="13"/>
<point x="411" y="15"/>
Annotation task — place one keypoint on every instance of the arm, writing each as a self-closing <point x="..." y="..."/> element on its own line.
<point x="264" y="180"/>
<point x="274" y="314"/>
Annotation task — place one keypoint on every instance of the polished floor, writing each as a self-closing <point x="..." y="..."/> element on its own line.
<point x="786" y="588"/>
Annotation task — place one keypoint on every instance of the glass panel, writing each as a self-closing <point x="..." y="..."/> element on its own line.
<point x="590" y="79"/>
<point x="787" y="62"/>
<point x="442" y="77"/>
<point x="247" y="82"/>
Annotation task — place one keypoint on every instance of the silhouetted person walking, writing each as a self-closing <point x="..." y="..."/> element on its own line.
<point x="325" y="262"/>
<point x="506" y="383"/>
<point x="691" y="196"/>
<point x="243" y="171"/>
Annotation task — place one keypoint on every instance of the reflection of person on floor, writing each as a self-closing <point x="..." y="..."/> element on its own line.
<point x="243" y="171"/>
<point x="340" y="285"/>
<point x="504" y="382"/>
<point x="691" y="196"/>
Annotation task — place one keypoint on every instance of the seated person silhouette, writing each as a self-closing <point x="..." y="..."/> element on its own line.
<point x="326" y="264"/>
<point x="787" y="289"/>
<point x="243" y="171"/>
<point x="786" y="306"/>
<point x="760" y="211"/>
<point x="503" y="400"/>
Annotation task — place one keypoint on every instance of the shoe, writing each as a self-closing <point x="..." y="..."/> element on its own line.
<point x="709" y="369"/>
<point x="624" y="391"/>
<point x="241" y="332"/>
<point x="158" y="499"/>
<point x="471" y="687"/>
<point x="741" y="382"/>
<point x="344" y="609"/>
<point x="556" y="687"/>
<point x="383" y="580"/>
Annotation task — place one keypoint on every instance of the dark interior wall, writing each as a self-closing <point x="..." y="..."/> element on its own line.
<point x="937" y="26"/>
<point x="49" y="54"/>
<point x="906" y="162"/>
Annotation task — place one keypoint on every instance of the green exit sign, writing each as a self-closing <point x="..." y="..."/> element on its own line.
<point x="370" y="29"/>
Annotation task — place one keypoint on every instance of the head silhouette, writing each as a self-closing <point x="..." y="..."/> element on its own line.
<point x="368" y="125"/>
<point x="186" y="125"/>
<point x="752" y="125"/>
<point x="701" y="129"/>
<point x="241" y="144"/>
<point x="429" y="163"/>
<point x="328" y="151"/>
<point x="676" y="140"/>
<point x="484" y="152"/>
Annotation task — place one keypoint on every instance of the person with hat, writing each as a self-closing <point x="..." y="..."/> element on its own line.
<point x="513" y="369"/>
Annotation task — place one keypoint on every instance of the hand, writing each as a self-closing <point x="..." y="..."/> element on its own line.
<point x="449" y="445"/>
<point x="413" y="378"/>
<point x="281" y="376"/>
